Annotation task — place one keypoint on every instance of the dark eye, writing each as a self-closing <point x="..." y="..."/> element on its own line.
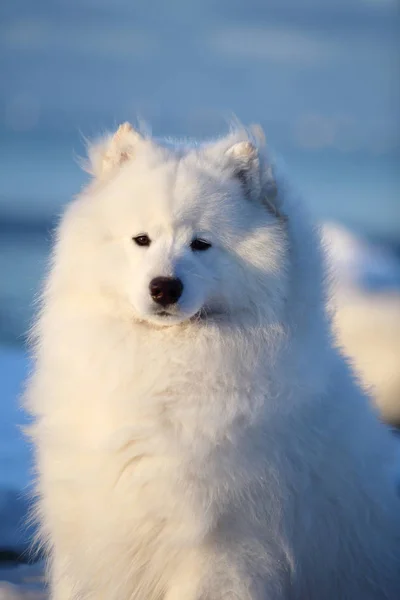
<point x="142" y="240"/>
<point x="199" y="245"/>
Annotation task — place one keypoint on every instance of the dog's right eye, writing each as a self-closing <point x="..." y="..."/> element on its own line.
<point x="199" y="245"/>
<point x="142" y="240"/>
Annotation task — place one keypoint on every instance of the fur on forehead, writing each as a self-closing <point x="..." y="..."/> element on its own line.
<point x="243" y="153"/>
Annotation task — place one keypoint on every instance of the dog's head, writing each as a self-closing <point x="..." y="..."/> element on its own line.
<point x="173" y="231"/>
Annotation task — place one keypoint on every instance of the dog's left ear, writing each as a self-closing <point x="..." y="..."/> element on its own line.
<point x="251" y="167"/>
<point x="112" y="151"/>
<point x="245" y="161"/>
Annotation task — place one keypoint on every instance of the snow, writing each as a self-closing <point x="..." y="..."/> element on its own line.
<point x="359" y="263"/>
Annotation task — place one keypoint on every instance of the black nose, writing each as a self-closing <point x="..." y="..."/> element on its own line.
<point x="166" y="290"/>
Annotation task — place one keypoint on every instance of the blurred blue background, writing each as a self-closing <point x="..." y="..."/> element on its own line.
<point x="322" y="77"/>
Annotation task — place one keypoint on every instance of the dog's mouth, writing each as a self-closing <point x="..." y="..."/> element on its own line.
<point x="205" y="313"/>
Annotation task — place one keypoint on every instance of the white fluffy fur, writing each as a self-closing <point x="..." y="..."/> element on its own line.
<point x="224" y="451"/>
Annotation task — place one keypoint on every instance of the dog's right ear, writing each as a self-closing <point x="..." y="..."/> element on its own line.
<point x="106" y="155"/>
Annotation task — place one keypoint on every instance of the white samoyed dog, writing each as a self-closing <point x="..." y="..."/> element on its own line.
<point x="198" y="435"/>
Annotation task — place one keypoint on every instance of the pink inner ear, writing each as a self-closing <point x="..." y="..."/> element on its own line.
<point x="124" y="156"/>
<point x="242" y="175"/>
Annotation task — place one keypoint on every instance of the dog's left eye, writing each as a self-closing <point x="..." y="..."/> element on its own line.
<point x="199" y="245"/>
<point x="142" y="240"/>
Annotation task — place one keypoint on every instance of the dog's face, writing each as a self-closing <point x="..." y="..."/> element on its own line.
<point x="182" y="234"/>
